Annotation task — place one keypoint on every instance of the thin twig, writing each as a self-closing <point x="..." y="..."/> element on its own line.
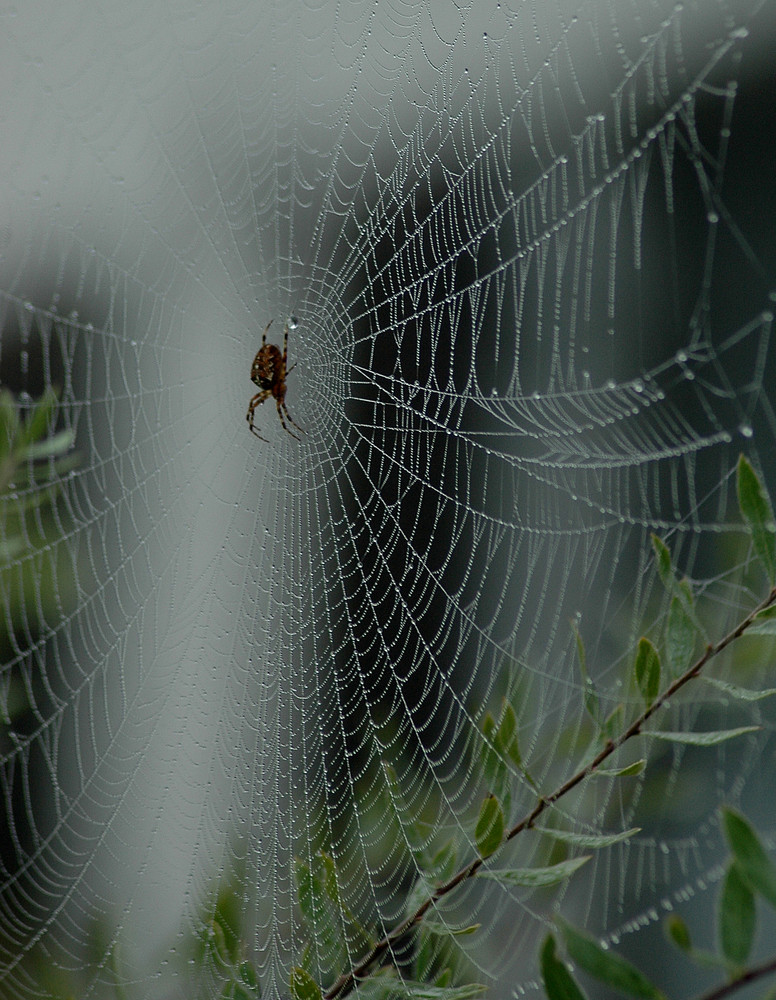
<point x="748" y="976"/>
<point x="346" y="982"/>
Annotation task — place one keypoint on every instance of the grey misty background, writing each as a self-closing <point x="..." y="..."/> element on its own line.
<point x="120" y="198"/>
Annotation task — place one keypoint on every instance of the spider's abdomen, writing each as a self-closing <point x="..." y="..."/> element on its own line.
<point x="267" y="367"/>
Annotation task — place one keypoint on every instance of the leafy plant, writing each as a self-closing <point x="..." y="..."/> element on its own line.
<point x="659" y="672"/>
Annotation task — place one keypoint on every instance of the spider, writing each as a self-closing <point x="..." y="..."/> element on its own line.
<point x="269" y="372"/>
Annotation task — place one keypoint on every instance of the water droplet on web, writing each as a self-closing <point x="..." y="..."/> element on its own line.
<point x="29" y="306"/>
<point x="494" y="392"/>
<point x="712" y="217"/>
<point x="746" y="430"/>
<point x="681" y="357"/>
<point x="638" y="386"/>
<point x="611" y="384"/>
<point x="293" y="322"/>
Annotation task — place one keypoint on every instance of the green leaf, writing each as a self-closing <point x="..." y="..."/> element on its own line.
<point x="322" y="915"/>
<point x="764" y="622"/>
<point x="613" y="723"/>
<point x="607" y="966"/>
<point x="629" y="771"/>
<point x="218" y="943"/>
<point x="737" y="916"/>
<point x="237" y="991"/>
<point x="417" y="895"/>
<point x="9" y="423"/>
<point x="534" y="877"/>
<point x="664" y="568"/>
<point x="507" y="734"/>
<point x="756" y="510"/>
<point x="495" y="770"/>
<point x="442" y="930"/>
<point x="444" y="863"/>
<point x="681" y="636"/>
<point x="703" y="739"/>
<point x="489" y="831"/>
<point x="646" y="670"/>
<point x="676" y="930"/>
<point x="742" y="694"/>
<point x="247" y="974"/>
<point x="413" y="990"/>
<point x="412" y="830"/>
<point x="590" y="693"/>
<point x="52" y="446"/>
<point x="303" y="986"/>
<point x="589" y="840"/>
<point x="37" y="425"/>
<point x="559" y="984"/>
<point x="753" y="863"/>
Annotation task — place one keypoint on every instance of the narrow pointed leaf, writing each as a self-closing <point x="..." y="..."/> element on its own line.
<point x="646" y="669"/>
<point x="9" y="422"/>
<point x="38" y="423"/>
<point x="756" y="511"/>
<point x="590" y="693"/>
<point x="534" y="877"/>
<point x="489" y="831"/>
<point x="764" y="622"/>
<point x="413" y="990"/>
<point x="677" y="931"/>
<point x="589" y="840"/>
<point x="559" y="984"/>
<point x="680" y="637"/>
<point x="247" y="974"/>
<point x="613" y="724"/>
<point x="629" y="771"/>
<point x="56" y="445"/>
<point x="737" y="916"/>
<point x="740" y="693"/>
<point x="704" y="739"/>
<point x="495" y="770"/>
<point x="303" y="986"/>
<point x="607" y="966"/>
<point x="664" y="568"/>
<point x="442" y="930"/>
<point x="507" y="734"/>
<point x="236" y="991"/>
<point x="753" y="863"/>
<point x="444" y="863"/>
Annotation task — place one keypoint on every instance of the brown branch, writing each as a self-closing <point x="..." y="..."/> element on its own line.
<point x="748" y="976"/>
<point x="346" y="982"/>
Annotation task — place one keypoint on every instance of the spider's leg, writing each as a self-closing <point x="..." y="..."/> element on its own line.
<point x="282" y="408"/>
<point x="291" y="368"/>
<point x="285" y="347"/>
<point x="264" y="335"/>
<point x="257" y="399"/>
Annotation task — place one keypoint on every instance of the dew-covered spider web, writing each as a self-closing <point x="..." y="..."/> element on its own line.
<point x="524" y="255"/>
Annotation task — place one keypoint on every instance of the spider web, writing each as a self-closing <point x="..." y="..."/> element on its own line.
<point x="524" y="259"/>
